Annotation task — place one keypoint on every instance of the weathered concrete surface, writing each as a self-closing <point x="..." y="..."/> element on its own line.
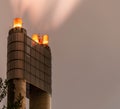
<point x="39" y="99"/>
<point x="16" y="87"/>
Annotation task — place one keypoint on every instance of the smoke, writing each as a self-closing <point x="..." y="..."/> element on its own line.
<point x="48" y="14"/>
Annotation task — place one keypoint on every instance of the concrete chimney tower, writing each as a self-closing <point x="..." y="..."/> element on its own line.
<point x="28" y="69"/>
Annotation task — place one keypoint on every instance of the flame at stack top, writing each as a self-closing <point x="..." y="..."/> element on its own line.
<point x="45" y="39"/>
<point x="42" y="40"/>
<point x="35" y="37"/>
<point x="17" y="23"/>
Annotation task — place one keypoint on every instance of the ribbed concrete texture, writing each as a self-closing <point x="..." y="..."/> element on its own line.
<point x="16" y="87"/>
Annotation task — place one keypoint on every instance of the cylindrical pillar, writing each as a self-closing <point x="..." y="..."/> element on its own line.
<point x="39" y="99"/>
<point x="17" y="87"/>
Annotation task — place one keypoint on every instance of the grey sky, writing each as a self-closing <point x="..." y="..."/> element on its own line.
<point x="86" y="55"/>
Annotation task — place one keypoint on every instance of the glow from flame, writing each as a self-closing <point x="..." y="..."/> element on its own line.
<point x="50" y="13"/>
<point x="40" y="40"/>
<point x="35" y="37"/>
<point x="17" y="23"/>
<point x="45" y="39"/>
<point x="63" y="10"/>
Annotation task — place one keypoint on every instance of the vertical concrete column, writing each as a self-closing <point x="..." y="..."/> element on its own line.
<point x="16" y="87"/>
<point x="20" y="88"/>
<point x="40" y="100"/>
<point x="44" y="101"/>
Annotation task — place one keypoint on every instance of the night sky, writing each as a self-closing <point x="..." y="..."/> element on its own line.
<point x="85" y="55"/>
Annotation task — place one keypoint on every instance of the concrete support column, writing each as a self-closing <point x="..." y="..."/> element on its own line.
<point x="44" y="101"/>
<point x="15" y="88"/>
<point x="40" y="100"/>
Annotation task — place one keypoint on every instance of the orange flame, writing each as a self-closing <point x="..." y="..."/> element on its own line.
<point x="17" y="23"/>
<point x="35" y="37"/>
<point x="45" y="39"/>
<point x="40" y="40"/>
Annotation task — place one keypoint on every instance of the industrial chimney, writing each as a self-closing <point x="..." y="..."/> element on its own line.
<point x="28" y="68"/>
